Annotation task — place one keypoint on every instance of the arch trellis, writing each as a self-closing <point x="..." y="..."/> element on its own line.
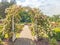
<point x="38" y="19"/>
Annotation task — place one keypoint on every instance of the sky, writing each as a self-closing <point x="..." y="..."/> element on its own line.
<point x="48" y="7"/>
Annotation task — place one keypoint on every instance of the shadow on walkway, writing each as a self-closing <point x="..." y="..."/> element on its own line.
<point x="24" y="41"/>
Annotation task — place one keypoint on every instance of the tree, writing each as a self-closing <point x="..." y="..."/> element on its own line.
<point x="5" y="4"/>
<point x="25" y="16"/>
<point x="55" y="18"/>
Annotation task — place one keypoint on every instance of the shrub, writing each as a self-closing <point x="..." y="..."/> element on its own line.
<point x="19" y="27"/>
<point x="1" y="26"/>
<point x="32" y="29"/>
<point x="57" y="35"/>
<point x="1" y="34"/>
<point x="53" y="41"/>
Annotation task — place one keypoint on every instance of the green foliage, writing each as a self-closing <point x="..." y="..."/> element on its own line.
<point x="25" y="17"/>
<point x="53" y="41"/>
<point x="32" y="29"/>
<point x="57" y="29"/>
<point x="55" y="18"/>
<point x="19" y="28"/>
<point x="27" y="14"/>
<point x="1" y="34"/>
<point x="41" y="23"/>
<point x="1" y="42"/>
<point x="57" y="35"/>
<point x="0" y="17"/>
<point x="3" y="6"/>
<point x="1" y="26"/>
<point x="43" y="26"/>
<point x="11" y="11"/>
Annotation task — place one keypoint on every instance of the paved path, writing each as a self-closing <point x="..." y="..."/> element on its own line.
<point x="25" y="37"/>
<point x="26" y="33"/>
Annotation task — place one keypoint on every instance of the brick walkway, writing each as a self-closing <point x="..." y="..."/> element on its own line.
<point x="26" y="33"/>
<point x="25" y="37"/>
